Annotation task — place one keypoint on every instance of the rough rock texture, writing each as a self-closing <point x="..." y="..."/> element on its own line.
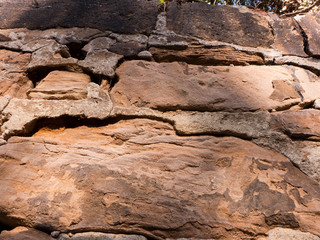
<point x="100" y="236"/>
<point x="288" y="234"/>
<point x="222" y="25"/>
<point x="181" y="121"/>
<point x="206" y="56"/>
<point x="299" y="124"/>
<point x="61" y="85"/>
<point x="288" y="39"/>
<point x="310" y="24"/>
<point x="23" y="233"/>
<point x="113" y="14"/>
<point x="202" y="88"/>
<point x="132" y="166"/>
<point x="13" y="80"/>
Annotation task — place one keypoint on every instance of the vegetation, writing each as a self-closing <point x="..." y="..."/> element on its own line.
<point x="278" y="6"/>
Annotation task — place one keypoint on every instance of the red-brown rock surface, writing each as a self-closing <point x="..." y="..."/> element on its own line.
<point x="109" y="177"/>
<point x="143" y="122"/>
<point x="170" y="86"/>
<point x="61" y="85"/>
<point x="13" y="80"/>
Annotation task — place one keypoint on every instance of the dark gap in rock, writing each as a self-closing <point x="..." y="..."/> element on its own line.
<point x="67" y="122"/>
<point x="36" y="75"/>
<point x="115" y="79"/>
<point x="75" y="50"/>
<point x="5" y="227"/>
<point x="304" y="37"/>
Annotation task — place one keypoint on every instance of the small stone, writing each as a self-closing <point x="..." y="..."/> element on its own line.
<point x="145" y="55"/>
<point x="316" y="104"/>
<point x="70" y="235"/>
<point x="55" y="234"/>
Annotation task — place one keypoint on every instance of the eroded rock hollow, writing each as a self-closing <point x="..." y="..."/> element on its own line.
<point x="125" y="119"/>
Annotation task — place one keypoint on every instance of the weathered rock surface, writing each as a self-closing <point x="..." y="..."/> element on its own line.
<point x="189" y="145"/>
<point x="51" y="55"/>
<point x="61" y="85"/>
<point x="13" y="79"/>
<point x="110" y="176"/>
<point x="206" y="56"/>
<point x="23" y="233"/>
<point x="298" y="124"/>
<point x="100" y="236"/>
<point x="226" y="23"/>
<point x="288" y="39"/>
<point x="22" y="114"/>
<point x="119" y="16"/>
<point x="310" y="24"/>
<point x="170" y="86"/>
<point x="100" y="62"/>
<point x="289" y="234"/>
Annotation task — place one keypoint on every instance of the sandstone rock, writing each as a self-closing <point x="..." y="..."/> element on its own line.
<point x="145" y="55"/>
<point x="289" y="234"/>
<point x="52" y="55"/>
<point x="310" y="24"/>
<point x="168" y="42"/>
<point x="128" y="49"/>
<point x="206" y="56"/>
<point x="24" y="113"/>
<point x="101" y="43"/>
<point x="110" y="177"/>
<point x="217" y="23"/>
<point x="101" y="236"/>
<point x="4" y="101"/>
<point x="171" y="86"/>
<point x="298" y="124"/>
<point x="23" y="233"/>
<point x="100" y="62"/>
<point x="311" y="64"/>
<point x="245" y="125"/>
<point x="310" y="153"/>
<point x="125" y="38"/>
<point x="287" y="38"/>
<point x="31" y="40"/>
<point x="316" y="104"/>
<point x="119" y="16"/>
<point x="13" y="80"/>
<point x="61" y="85"/>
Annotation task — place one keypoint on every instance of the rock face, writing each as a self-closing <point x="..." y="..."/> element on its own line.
<point x="61" y="85"/>
<point x="220" y="23"/>
<point x="206" y="88"/>
<point x="113" y="15"/>
<point x="131" y="120"/>
<point x="136" y="165"/>
<point x="13" y="80"/>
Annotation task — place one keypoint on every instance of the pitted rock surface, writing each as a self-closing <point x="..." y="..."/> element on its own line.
<point x="207" y="88"/>
<point x="133" y="120"/>
<point x="107" y="176"/>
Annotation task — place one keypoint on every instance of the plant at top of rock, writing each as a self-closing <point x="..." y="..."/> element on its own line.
<point x="277" y="6"/>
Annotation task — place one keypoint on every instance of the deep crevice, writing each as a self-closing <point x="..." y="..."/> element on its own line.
<point x="4" y="227"/>
<point x="37" y="74"/>
<point x="75" y="50"/>
<point x="304" y="37"/>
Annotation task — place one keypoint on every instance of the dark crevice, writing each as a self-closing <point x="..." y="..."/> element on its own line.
<point x="4" y="227"/>
<point x="12" y="49"/>
<point x="37" y="74"/>
<point x="75" y="50"/>
<point x="304" y="37"/>
<point x="113" y="81"/>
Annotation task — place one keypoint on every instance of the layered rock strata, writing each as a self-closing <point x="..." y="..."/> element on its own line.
<point x="132" y="120"/>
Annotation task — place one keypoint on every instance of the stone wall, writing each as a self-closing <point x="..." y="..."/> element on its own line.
<point x="132" y="120"/>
